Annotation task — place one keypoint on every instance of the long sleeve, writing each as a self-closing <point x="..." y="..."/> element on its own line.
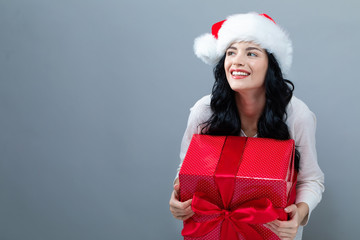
<point x="199" y="114"/>
<point x="310" y="182"/>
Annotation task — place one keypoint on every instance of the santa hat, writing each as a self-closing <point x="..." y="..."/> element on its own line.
<point x="258" y="28"/>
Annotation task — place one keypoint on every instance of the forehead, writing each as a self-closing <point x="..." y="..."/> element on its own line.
<point x="246" y="44"/>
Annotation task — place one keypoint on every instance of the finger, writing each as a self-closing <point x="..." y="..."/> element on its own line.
<point x="292" y="210"/>
<point x="276" y="223"/>
<point x="271" y="227"/>
<point x="285" y="224"/>
<point x="183" y="215"/>
<point x="177" y="190"/>
<point x="281" y="235"/>
<point x="173" y="199"/>
<point x="289" y="226"/>
<point x="188" y="211"/>
<point x="270" y="224"/>
<point x="188" y="216"/>
<point x="174" y="202"/>
<point x="186" y="204"/>
<point x="285" y="227"/>
<point x="181" y="206"/>
<point x="184" y="207"/>
<point x="181" y="212"/>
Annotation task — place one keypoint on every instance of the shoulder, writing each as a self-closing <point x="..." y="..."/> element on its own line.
<point x="201" y="111"/>
<point x="202" y="104"/>
<point x="299" y="117"/>
<point x="297" y="106"/>
<point x="298" y="110"/>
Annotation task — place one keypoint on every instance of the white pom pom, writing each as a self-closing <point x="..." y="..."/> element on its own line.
<point x="205" y="48"/>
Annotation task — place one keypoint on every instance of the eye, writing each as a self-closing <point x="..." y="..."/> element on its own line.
<point x="229" y="53"/>
<point x="251" y="54"/>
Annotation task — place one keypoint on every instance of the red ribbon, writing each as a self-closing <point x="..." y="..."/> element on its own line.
<point x="233" y="221"/>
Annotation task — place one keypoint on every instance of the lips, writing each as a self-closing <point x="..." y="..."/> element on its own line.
<point x="239" y="73"/>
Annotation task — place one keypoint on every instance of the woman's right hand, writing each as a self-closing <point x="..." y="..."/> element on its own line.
<point x="180" y="210"/>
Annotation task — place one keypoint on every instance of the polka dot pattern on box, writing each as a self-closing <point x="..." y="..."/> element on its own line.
<point x="264" y="171"/>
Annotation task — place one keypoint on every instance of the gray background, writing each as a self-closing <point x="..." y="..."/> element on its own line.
<point x="94" y="99"/>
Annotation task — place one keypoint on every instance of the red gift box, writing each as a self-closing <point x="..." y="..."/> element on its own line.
<point x="237" y="184"/>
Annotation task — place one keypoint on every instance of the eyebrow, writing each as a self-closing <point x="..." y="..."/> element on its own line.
<point x="231" y="48"/>
<point x="253" y="48"/>
<point x="247" y="49"/>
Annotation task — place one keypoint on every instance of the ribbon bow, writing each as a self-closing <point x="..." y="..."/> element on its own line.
<point x="234" y="221"/>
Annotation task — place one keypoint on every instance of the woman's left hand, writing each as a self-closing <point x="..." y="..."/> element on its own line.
<point x="286" y="230"/>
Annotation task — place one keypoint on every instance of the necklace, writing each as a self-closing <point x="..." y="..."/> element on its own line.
<point x="242" y="134"/>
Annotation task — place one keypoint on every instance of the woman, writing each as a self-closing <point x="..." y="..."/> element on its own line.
<point x="251" y="98"/>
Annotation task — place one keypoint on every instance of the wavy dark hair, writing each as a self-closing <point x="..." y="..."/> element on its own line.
<point x="225" y="119"/>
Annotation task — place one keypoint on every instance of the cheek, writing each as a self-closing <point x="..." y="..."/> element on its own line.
<point x="227" y="64"/>
<point x="263" y="70"/>
<point x="227" y="67"/>
<point x="265" y="66"/>
<point x="260" y="68"/>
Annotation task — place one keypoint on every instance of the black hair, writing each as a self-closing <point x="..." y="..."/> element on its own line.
<point x="225" y="119"/>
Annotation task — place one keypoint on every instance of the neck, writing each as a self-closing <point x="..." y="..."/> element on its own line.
<point x="250" y="107"/>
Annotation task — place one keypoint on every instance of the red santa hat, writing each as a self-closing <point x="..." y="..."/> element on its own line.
<point x="258" y="28"/>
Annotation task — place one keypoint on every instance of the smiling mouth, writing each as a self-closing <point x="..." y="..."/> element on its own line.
<point x="239" y="73"/>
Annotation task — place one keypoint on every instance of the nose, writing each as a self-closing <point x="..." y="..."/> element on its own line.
<point x="239" y="60"/>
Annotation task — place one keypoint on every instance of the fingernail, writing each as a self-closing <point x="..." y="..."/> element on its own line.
<point x="286" y="210"/>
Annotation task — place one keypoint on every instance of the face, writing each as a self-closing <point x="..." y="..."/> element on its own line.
<point x="245" y="66"/>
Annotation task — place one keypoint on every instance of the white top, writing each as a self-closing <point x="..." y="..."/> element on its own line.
<point x="301" y="124"/>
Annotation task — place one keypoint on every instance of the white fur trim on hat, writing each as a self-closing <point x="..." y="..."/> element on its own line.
<point x="205" y="48"/>
<point x="246" y="27"/>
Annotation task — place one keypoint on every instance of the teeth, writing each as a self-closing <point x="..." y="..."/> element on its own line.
<point x="240" y="73"/>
